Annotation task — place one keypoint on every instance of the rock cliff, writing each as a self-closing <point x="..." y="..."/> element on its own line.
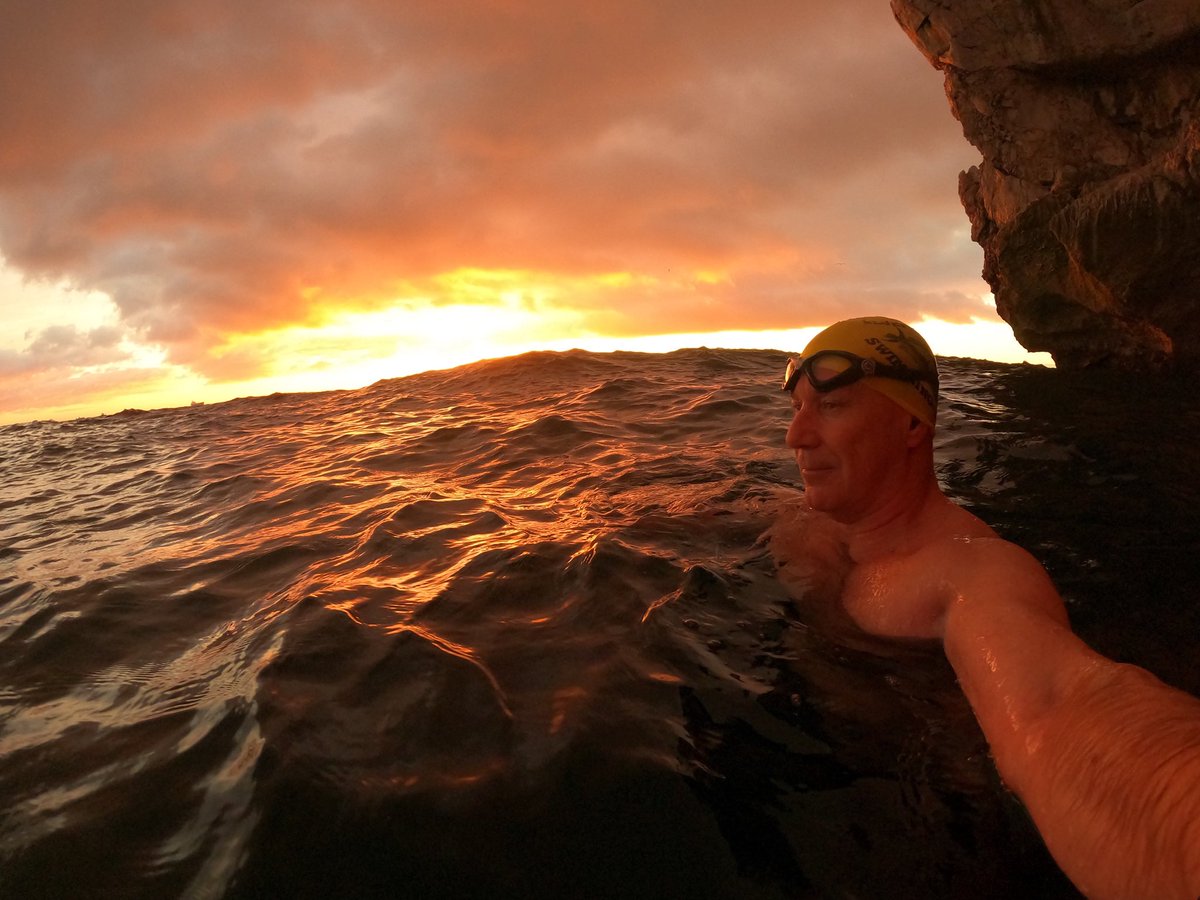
<point x="1087" y="202"/>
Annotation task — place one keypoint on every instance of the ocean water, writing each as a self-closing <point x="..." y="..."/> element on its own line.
<point x="509" y="630"/>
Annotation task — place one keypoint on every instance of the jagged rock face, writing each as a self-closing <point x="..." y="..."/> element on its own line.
<point x="1087" y="202"/>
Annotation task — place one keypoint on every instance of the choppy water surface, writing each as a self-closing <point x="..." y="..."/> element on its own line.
<point x="505" y="631"/>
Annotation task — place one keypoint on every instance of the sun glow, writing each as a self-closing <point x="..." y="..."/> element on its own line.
<point x="979" y="339"/>
<point x="493" y="314"/>
<point x="450" y="319"/>
<point x="432" y="337"/>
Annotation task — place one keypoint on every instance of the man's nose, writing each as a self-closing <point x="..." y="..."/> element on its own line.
<point x="800" y="433"/>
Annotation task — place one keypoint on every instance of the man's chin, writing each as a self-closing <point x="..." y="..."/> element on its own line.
<point x="818" y="499"/>
<point x="826" y="502"/>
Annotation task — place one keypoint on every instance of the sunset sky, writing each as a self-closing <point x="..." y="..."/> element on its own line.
<point x="202" y="200"/>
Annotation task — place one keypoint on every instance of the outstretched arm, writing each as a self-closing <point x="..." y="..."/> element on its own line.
<point x="1105" y="757"/>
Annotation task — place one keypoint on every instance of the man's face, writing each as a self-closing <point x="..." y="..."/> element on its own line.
<point x="848" y="443"/>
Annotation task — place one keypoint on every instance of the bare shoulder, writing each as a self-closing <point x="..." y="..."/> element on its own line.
<point x="990" y="571"/>
<point x="993" y="588"/>
<point x="981" y="569"/>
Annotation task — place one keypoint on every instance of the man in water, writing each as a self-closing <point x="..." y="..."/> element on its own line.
<point x="1105" y="757"/>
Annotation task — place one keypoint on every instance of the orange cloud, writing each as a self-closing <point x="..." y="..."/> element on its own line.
<point x="230" y="169"/>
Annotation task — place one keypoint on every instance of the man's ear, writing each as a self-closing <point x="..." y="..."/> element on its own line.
<point x="916" y="431"/>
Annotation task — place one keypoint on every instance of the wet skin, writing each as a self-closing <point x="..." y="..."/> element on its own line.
<point x="1105" y="757"/>
<point x="867" y="468"/>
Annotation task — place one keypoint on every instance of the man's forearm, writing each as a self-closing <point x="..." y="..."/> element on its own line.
<point x="1111" y="776"/>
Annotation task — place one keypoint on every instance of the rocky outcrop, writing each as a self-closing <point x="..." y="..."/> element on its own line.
<point x="1087" y="202"/>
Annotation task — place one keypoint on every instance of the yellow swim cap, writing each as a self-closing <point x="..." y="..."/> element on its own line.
<point x="892" y="343"/>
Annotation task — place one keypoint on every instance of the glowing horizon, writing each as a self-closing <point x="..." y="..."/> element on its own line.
<point x="350" y="350"/>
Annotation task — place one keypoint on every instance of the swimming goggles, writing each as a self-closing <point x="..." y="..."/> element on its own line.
<point x="828" y="370"/>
